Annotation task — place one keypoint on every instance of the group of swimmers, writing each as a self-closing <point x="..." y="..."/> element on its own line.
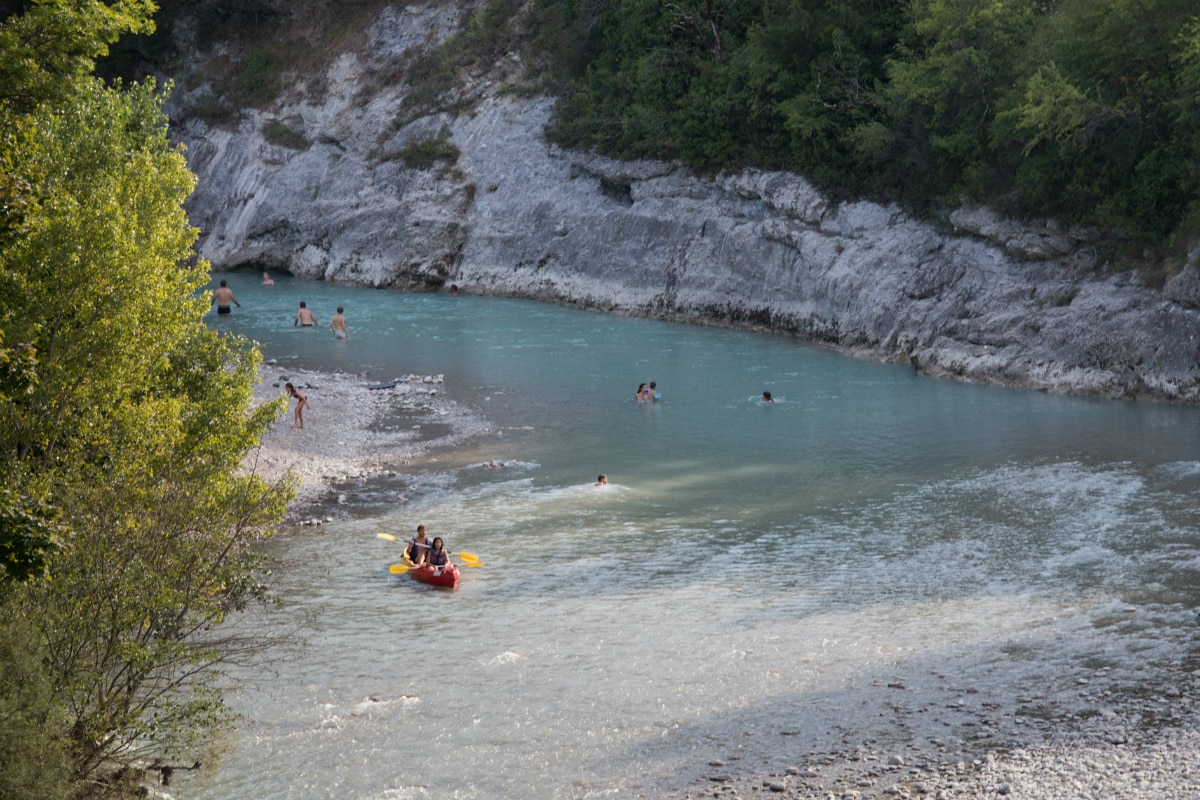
<point x="306" y="319"/>
<point x="423" y="552"/>
<point x="647" y="394"/>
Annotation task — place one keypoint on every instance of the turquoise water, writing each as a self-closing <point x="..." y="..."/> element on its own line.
<point x="748" y="564"/>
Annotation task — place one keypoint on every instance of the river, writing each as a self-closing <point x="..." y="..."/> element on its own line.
<point x="758" y="581"/>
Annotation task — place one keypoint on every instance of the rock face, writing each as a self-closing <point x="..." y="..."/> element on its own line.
<point x="989" y="300"/>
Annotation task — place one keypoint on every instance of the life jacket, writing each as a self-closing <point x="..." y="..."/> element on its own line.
<point x="415" y="547"/>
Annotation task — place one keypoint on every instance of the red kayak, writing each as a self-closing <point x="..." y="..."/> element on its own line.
<point x="447" y="576"/>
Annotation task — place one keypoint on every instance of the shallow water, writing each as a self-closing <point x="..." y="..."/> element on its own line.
<point x="752" y="571"/>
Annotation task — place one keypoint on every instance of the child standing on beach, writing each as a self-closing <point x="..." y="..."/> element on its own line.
<point x="301" y="402"/>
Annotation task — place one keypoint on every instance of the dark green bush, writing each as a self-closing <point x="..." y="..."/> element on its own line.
<point x="425" y="153"/>
<point x="280" y="134"/>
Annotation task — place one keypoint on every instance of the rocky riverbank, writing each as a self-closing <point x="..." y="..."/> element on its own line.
<point x="359" y="427"/>
<point x="1130" y="744"/>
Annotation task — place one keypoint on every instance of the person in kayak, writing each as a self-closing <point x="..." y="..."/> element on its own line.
<point x="438" y="558"/>
<point x="418" y="546"/>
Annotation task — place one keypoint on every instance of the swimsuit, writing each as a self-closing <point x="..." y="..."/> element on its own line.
<point x="222" y="309"/>
<point x="341" y="335"/>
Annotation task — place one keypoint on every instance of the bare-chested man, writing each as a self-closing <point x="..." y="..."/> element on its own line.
<point x="338" y="325"/>
<point x="304" y="317"/>
<point x="222" y="297"/>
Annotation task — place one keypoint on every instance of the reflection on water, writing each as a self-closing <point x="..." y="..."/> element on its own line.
<point x="750" y="568"/>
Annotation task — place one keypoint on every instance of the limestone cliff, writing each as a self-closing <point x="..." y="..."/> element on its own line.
<point x="981" y="299"/>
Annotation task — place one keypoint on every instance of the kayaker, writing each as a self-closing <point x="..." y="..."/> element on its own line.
<point x="418" y="546"/>
<point x="438" y="557"/>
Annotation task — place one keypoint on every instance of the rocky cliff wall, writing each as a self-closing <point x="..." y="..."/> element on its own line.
<point x="984" y="299"/>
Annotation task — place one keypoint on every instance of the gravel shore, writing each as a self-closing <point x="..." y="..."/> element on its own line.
<point x="1101" y="734"/>
<point x="1111" y="734"/>
<point x="359" y="427"/>
<point x="1112" y="756"/>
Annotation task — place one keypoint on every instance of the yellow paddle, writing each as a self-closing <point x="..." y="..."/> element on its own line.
<point x="387" y="536"/>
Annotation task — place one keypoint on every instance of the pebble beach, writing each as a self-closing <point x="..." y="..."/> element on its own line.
<point x="1140" y="744"/>
<point x="358" y="427"/>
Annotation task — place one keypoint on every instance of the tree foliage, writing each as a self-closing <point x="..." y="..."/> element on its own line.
<point x="1084" y="109"/>
<point x="127" y="523"/>
<point x="44" y="49"/>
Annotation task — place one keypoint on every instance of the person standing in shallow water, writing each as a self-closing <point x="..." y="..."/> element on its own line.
<point x="222" y="297"/>
<point x="338" y="325"/>
<point x="304" y="318"/>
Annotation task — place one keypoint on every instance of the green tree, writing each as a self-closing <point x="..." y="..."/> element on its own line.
<point x="1096" y="116"/>
<point x="34" y="760"/>
<point x="954" y="67"/>
<point x="822" y="65"/>
<point x="44" y="49"/>
<point x="124" y="425"/>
